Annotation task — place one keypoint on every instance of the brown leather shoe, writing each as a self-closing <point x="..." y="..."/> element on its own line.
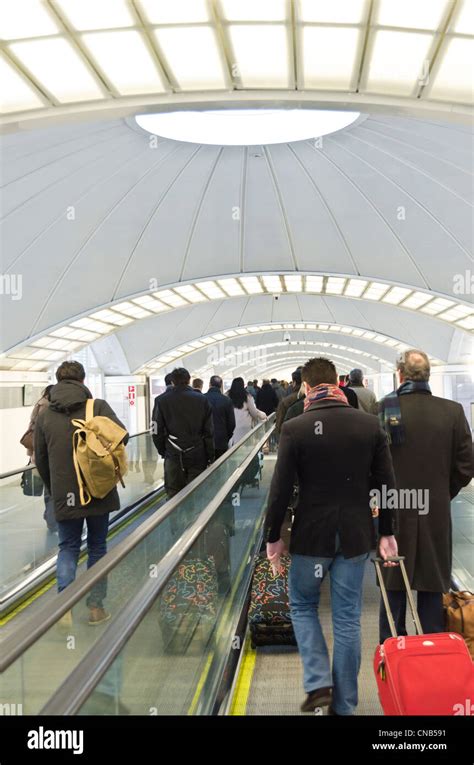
<point x="321" y="697"/>
<point x="98" y="616"/>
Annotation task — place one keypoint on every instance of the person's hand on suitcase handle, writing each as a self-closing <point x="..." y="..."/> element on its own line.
<point x="388" y="548"/>
<point x="274" y="552"/>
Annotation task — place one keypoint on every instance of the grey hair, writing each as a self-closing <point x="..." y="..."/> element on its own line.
<point x="414" y="365"/>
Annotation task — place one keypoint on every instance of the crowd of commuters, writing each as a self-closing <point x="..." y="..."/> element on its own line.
<point x="340" y="445"/>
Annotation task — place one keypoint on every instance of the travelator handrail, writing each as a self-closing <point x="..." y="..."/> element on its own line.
<point x="18" y="471"/>
<point x="81" y="682"/>
<point x="19" y="640"/>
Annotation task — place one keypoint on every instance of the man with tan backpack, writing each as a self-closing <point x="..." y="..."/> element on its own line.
<point x="80" y="454"/>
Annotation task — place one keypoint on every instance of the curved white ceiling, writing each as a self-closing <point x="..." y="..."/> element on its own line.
<point x="95" y="214"/>
<point x="65" y="57"/>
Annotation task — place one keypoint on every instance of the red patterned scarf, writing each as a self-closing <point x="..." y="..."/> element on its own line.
<point x="326" y="391"/>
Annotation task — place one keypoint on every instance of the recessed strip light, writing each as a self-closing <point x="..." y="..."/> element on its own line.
<point x="314" y="283"/>
<point x="170" y="298"/>
<point x="355" y="287"/>
<point x="251" y="285"/>
<point x="190" y="293"/>
<point x="375" y="291"/>
<point x="93" y="325"/>
<point x="293" y="283"/>
<point x="395" y="295"/>
<point x="467" y="323"/>
<point x="437" y="306"/>
<point x="129" y="309"/>
<point x="453" y="314"/>
<point x="231" y="287"/>
<point x="211" y="290"/>
<point x="272" y="283"/>
<point x="416" y="300"/>
<point x="335" y="285"/>
<point x="151" y="304"/>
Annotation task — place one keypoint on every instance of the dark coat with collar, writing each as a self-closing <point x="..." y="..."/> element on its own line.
<point x="436" y="456"/>
<point x="223" y="417"/>
<point x="339" y="454"/>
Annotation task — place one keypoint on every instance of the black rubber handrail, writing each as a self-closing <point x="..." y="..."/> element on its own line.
<point x="80" y="683"/>
<point x="17" y="471"/>
<point x="33" y="628"/>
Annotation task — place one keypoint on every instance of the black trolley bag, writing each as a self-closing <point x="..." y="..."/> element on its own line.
<point x="269" y="612"/>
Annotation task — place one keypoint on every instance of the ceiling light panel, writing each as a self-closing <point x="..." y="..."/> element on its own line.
<point x="314" y="283"/>
<point x="26" y="18"/>
<point x="334" y="12"/>
<point x="231" y="287"/>
<point x="253" y="10"/>
<point x="174" y="11"/>
<point x="272" y="283"/>
<point x="355" y="287"/>
<point x="422" y="14"/>
<point x="375" y="291"/>
<point x="96" y="14"/>
<point x="293" y="283"/>
<point x="150" y="304"/>
<point x="335" y="285"/>
<point x="453" y="78"/>
<point x="395" y="295"/>
<point x="211" y="290"/>
<point x="57" y="66"/>
<point x="193" y="57"/>
<point x="436" y="306"/>
<point x="130" y="74"/>
<point x="190" y="293"/>
<point x="111" y="317"/>
<point x="416" y="300"/>
<point x="458" y="312"/>
<point x="330" y="57"/>
<point x="251" y="285"/>
<point x="390" y="72"/>
<point x="16" y="94"/>
<point x="467" y="323"/>
<point x="261" y="55"/>
<point x="170" y="298"/>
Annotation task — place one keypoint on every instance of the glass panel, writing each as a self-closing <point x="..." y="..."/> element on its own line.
<point x="194" y="618"/>
<point x="25" y="539"/>
<point x="46" y="664"/>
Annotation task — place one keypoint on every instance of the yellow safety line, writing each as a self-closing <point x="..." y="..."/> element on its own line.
<point x="244" y="681"/>
<point x="201" y="682"/>
<point x="25" y="603"/>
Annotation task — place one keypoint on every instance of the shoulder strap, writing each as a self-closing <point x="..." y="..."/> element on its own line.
<point x="89" y="409"/>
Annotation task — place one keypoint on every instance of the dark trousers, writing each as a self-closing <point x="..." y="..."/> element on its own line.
<point x="430" y="611"/>
<point x="69" y="533"/>
<point x="220" y="452"/>
<point x="177" y="474"/>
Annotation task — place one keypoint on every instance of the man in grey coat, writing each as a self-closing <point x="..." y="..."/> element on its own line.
<point x="431" y="446"/>
<point x="366" y="397"/>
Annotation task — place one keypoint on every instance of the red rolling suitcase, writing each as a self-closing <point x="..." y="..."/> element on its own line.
<point x="422" y="674"/>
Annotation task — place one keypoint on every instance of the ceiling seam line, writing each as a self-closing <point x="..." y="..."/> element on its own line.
<point x="52" y="184"/>
<point x="198" y="209"/>
<point x="96" y="229"/>
<point x="278" y="195"/>
<point x="377" y="213"/>
<point x="414" y="147"/>
<point x="409" y="195"/>
<point x="328" y="209"/>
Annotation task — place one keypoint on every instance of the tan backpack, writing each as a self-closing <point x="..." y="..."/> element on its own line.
<point x="99" y="454"/>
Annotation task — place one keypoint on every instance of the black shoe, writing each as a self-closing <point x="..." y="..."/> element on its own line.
<point x="321" y="697"/>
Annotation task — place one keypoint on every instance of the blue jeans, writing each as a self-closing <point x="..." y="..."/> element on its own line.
<point x="69" y="533"/>
<point x="346" y="577"/>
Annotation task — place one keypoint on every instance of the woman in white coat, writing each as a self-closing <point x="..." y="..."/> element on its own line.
<point x="246" y="413"/>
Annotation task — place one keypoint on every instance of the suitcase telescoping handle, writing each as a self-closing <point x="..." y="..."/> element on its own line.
<point x="383" y="590"/>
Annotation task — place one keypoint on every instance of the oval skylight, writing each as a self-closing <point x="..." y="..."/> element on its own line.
<point x="245" y="127"/>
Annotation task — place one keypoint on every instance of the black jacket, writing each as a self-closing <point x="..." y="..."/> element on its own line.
<point x="223" y="417"/>
<point x="351" y="396"/>
<point x="336" y="469"/>
<point x="184" y="417"/>
<point x="53" y="450"/>
<point x="267" y="399"/>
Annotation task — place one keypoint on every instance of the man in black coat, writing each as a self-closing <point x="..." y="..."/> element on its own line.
<point x="267" y="399"/>
<point x="431" y="448"/>
<point x="222" y="414"/>
<point x="289" y="399"/>
<point x="339" y="455"/>
<point x="183" y="432"/>
<point x="54" y="460"/>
